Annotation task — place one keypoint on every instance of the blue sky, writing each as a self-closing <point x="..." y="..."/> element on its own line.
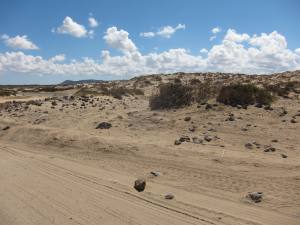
<point x="176" y="33"/>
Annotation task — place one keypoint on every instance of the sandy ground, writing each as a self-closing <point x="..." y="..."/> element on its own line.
<point x="56" y="168"/>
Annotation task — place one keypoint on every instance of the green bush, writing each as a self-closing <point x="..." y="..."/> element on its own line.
<point x="171" y="95"/>
<point x="244" y="94"/>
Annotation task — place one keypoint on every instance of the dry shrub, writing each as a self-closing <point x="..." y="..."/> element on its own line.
<point x="7" y="92"/>
<point x="284" y="89"/>
<point x="244" y="94"/>
<point x="171" y="95"/>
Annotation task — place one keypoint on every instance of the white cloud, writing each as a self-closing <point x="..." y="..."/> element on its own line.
<point x="297" y="50"/>
<point x="165" y="32"/>
<point x="232" y="35"/>
<point x="212" y="37"/>
<point x="69" y="26"/>
<point x="216" y="30"/>
<point x="119" y="39"/>
<point x="204" y="50"/>
<point x="19" y="42"/>
<point x="93" y="22"/>
<point x="147" y="34"/>
<point x="264" y="53"/>
<point x="58" y="58"/>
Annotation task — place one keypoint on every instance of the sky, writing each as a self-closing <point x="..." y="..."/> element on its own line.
<point x="45" y="42"/>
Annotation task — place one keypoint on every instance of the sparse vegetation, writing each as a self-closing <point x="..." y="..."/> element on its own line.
<point x="284" y="89"/>
<point x="7" y="92"/>
<point x="244" y="94"/>
<point x="171" y="95"/>
<point x="114" y="91"/>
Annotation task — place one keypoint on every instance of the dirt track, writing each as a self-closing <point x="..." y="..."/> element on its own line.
<point x="44" y="189"/>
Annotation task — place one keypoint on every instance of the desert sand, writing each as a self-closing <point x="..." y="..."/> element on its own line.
<point x="57" y="168"/>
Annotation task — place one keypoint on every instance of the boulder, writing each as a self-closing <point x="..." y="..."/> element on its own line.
<point x="140" y="185"/>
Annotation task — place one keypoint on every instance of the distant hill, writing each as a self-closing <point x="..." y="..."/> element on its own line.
<point x="74" y="82"/>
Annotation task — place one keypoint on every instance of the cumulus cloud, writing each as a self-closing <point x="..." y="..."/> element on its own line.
<point x="93" y="22"/>
<point x="264" y="53"/>
<point x="58" y="58"/>
<point x="71" y="27"/>
<point x="119" y="39"/>
<point x="232" y="35"/>
<point x="19" y="42"/>
<point x="165" y="32"/>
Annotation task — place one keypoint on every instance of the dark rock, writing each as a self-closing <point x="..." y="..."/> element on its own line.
<point x="6" y="128"/>
<point x="192" y="129"/>
<point x="140" y="185"/>
<point x="104" y="125"/>
<point x="249" y="145"/>
<point x="187" y="118"/>
<point x="255" y="196"/>
<point x="207" y="138"/>
<point x="208" y="106"/>
<point x="184" y="139"/>
<point x="293" y="120"/>
<point x="284" y="156"/>
<point x="269" y="149"/>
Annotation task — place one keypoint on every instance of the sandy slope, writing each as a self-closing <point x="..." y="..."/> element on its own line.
<point x="56" y="168"/>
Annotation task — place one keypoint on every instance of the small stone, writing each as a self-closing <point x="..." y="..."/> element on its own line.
<point x="270" y="149"/>
<point x="192" y="129"/>
<point x="187" y="118"/>
<point x="184" y="139"/>
<point x="284" y="156"/>
<point x="255" y="196"/>
<point x="274" y="140"/>
<point x="208" y="106"/>
<point x="6" y="128"/>
<point x="207" y="138"/>
<point x="140" y="185"/>
<point x="293" y="120"/>
<point x="197" y="140"/>
<point x="156" y="174"/>
<point x="249" y="145"/>
<point x="177" y="142"/>
<point x="169" y="196"/>
<point x="104" y="125"/>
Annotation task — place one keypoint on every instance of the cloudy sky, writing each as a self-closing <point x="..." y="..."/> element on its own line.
<point x="51" y="41"/>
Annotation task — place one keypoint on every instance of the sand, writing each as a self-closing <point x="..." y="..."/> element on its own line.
<point x="56" y="168"/>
